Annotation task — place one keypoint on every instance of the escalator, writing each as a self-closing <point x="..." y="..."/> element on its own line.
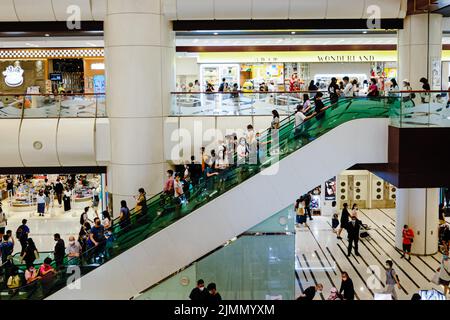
<point x="167" y="237"/>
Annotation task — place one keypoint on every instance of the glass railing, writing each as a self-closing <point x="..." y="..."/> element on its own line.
<point x="236" y="103"/>
<point x="421" y="109"/>
<point x="52" y="106"/>
<point x="163" y="209"/>
<point x="251" y="259"/>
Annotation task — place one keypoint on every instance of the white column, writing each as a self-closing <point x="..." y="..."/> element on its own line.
<point x="419" y="45"/>
<point x="418" y="208"/>
<point x="140" y="64"/>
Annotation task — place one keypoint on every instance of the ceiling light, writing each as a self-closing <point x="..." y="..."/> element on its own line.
<point x="31" y="44"/>
<point x="293" y="32"/>
<point x="47" y="35"/>
<point x="216" y="33"/>
<point x="364" y="31"/>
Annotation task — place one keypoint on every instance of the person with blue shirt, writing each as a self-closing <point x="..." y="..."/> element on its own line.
<point x="97" y="237"/>
<point x="22" y="235"/>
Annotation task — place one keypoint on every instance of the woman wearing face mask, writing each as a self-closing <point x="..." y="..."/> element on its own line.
<point x="222" y="166"/>
<point x="31" y="274"/>
<point x="444" y="273"/>
<point x="241" y="151"/>
<point x="141" y="202"/>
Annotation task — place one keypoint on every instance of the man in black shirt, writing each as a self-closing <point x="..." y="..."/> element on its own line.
<point x="60" y="250"/>
<point x="334" y="91"/>
<point x="310" y="292"/>
<point x="195" y="170"/>
<point x="308" y="205"/>
<point x="59" y="188"/>
<point x="347" y="287"/>
<point x="199" y="293"/>
<point x="353" y="228"/>
<point x="213" y="295"/>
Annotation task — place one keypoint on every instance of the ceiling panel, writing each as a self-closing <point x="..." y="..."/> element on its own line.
<point x="33" y="10"/>
<point x="316" y="9"/>
<point x="388" y="9"/>
<point x="7" y="11"/>
<point x="269" y="9"/>
<point x="345" y="8"/>
<point x="227" y="9"/>
<point x="83" y="7"/>
<point x="195" y="9"/>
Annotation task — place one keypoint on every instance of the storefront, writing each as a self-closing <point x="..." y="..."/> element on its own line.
<point x="280" y="68"/>
<point x="19" y="192"/>
<point x="52" y="70"/>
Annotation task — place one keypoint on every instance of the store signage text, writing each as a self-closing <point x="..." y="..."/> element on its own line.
<point x="346" y="58"/>
<point x="13" y="76"/>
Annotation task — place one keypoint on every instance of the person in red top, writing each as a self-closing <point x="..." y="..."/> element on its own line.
<point x="408" y="236"/>
<point x="168" y="186"/>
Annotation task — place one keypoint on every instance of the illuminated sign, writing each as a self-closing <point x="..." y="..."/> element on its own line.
<point x="346" y="58"/>
<point x="13" y="76"/>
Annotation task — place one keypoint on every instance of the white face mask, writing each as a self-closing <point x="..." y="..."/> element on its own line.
<point x="202" y="288"/>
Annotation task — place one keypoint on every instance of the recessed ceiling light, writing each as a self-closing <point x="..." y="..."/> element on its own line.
<point x="216" y="33"/>
<point x="293" y="32"/>
<point x="364" y="31"/>
<point x="47" y="35"/>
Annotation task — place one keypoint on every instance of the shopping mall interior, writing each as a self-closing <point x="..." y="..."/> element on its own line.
<point x="277" y="150"/>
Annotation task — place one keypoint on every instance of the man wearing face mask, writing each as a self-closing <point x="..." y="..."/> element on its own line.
<point x="73" y="251"/>
<point x="199" y="293"/>
<point x="353" y="234"/>
<point x="98" y="238"/>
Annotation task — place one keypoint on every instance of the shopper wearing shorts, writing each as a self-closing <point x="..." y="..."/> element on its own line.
<point x="408" y="236"/>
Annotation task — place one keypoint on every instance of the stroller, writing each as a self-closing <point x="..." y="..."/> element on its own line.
<point x="364" y="231"/>
<point x="335" y="295"/>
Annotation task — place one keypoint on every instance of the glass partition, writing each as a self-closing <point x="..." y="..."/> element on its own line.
<point x="52" y="106"/>
<point x="11" y="106"/>
<point x="421" y="109"/>
<point x="235" y="103"/>
<point x="258" y="265"/>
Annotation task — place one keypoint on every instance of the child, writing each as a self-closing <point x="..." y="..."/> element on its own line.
<point x="334" y="222"/>
<point x="335" y="217"/>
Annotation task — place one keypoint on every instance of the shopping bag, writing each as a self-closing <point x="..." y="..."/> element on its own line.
<point x="435" y="278"/>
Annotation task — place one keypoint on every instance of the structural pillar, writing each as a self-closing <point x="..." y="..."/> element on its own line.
<point x="418" y="208"/>
<point x="140" y="64"/>
<point x="419" y="50"/>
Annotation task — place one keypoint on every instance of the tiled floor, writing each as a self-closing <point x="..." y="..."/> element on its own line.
<point x="42" y="229"/>
<point x="321" y="257"/>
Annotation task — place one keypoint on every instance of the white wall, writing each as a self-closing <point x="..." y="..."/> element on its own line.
<point x="339" y="68"/>
<point x="187" y="66"/>
<point x="65" y="142"/>
<point x="234" y="212"/>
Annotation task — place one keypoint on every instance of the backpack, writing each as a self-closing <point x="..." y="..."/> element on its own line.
<point x="82" y="219"/>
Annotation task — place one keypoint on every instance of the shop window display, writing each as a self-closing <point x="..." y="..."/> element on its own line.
<point x="20" y="192"/>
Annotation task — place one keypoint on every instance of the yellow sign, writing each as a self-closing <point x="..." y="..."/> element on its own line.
<point x="297" y="56"/>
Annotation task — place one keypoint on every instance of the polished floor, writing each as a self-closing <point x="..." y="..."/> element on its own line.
<point x="42" y="229"/>
<point x="320" y="258"/>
